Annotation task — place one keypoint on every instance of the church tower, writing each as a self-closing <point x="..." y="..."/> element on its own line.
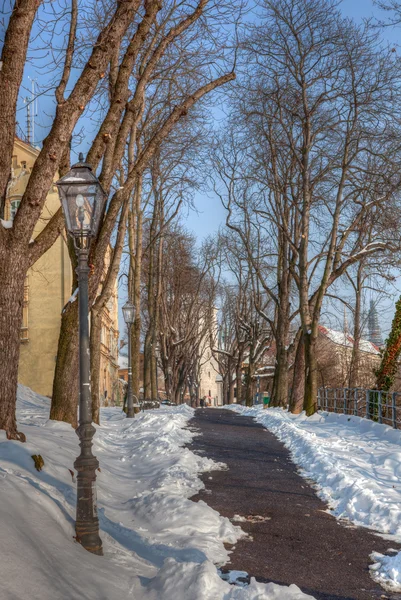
<point x="375" y="334"/>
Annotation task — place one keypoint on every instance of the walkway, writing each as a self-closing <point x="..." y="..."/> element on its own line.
<point x="299" y="542"/>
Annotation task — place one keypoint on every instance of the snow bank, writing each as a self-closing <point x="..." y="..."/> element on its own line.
<point x="157" y="543"/>
<point x="356" y="465"/>
<point x="387" y="570"/>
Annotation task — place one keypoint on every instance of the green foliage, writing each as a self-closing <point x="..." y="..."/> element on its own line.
<point x="388" y="366"/>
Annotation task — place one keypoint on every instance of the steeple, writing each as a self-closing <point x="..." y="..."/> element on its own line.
<point x="375" y="334"/>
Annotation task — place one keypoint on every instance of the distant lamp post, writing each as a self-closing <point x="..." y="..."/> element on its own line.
<point x="169" y="373"/>
<point x="157" y="354"/>
<point x="83" y="200"/>
<point x="129" y="318"/>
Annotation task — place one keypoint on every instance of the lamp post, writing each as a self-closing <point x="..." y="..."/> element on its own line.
<point x="129" y="317"/>
<point x="157" y="354"/>
<point x="169" y="373"/>
<point x="83" y="200"/>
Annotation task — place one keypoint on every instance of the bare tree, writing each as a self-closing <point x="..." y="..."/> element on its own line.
<point x="138" y="118"/>
<point x="187" y="309"/>
<point x="325" y="97"/>
<point x="17" y="253"/>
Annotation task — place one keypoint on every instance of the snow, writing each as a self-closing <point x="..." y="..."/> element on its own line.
<point x="356" y="465"/>
<point x="74" y="179"/>
<point x="72" y="298"/>
<point x="158" y="544"/>
<point x="345" y="339"/>
<point x="6" y="224"/>
<point x="123" y="361"/>
<point x="387" y="570"/>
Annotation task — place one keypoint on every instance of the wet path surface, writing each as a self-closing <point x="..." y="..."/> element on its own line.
<point x="299" y="542"/>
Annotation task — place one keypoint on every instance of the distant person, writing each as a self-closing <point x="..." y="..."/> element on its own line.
<point x="202" y="403"/>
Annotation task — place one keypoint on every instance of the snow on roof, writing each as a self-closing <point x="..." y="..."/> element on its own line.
<point x="122" y="361"/>
<point x="265" y="368"/>
<point x="6" y="224"/>
<point x="345" y="339"/>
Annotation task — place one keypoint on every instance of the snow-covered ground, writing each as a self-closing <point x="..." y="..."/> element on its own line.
<point x="356" y="465"/>
<point x="158" y="544"/>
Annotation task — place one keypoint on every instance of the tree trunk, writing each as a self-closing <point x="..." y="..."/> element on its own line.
<point x="355" y="358"/>
<point x="230" y="390"/>
<point x="310" y="399"/>
<point x="153" y="376"/>
<point x="148" y="367"/>
<point x="249" y="384"/>
<point x="280" y="381"/>
<point x="136" y="329"/>
<point x="156" y="317"/>
<point x="226" y="399"/>
<point x="65" y="394"/>
<point x="147" y="357"/>
<point x="134" y="286"/>
<point x="66" y="375"/>
<point x="298" y="379"/>
<point x="238" y="380"/>
<point x="12" y="278"/>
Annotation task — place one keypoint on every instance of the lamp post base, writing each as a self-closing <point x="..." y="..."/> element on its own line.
<point x="87" y="522"/>
<point x="89" y="538"/>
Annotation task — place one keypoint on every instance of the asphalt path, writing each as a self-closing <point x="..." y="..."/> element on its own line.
<point x="293" y="537"/>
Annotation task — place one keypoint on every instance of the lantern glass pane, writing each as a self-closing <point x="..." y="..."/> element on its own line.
<point x="82" y="218"/>
<point x="128" y="312"/>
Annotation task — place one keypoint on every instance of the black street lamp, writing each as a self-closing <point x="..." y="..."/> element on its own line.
<point x="129" y="317"/>
<point x="83" y="199"/>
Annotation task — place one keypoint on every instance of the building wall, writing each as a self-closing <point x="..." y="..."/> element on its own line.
<point x="208" y="372"/>
<point x="334" y="362"/>
<point x="48" y="284"/>
<point x="109" y="352"/>
<point x="48" y="287"/>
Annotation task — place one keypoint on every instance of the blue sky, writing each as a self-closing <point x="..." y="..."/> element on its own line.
<point x="358" y="8"/>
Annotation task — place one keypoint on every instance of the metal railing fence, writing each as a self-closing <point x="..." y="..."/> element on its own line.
<point x="376" y="405"/>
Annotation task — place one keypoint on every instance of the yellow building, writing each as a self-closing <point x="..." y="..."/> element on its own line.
<point x="48" y="287"/>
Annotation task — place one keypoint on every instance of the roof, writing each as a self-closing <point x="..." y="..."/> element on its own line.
<point x="122" y="361"/>
<point x="27" y="146"/>
<point x="342" y="338"/>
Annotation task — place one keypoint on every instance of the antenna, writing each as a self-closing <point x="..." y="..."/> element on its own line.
<point x="28" y="119"/>
<point x="34" y="109"/>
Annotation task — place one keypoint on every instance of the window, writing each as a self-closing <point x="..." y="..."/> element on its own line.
<point x="14" y="204"/>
